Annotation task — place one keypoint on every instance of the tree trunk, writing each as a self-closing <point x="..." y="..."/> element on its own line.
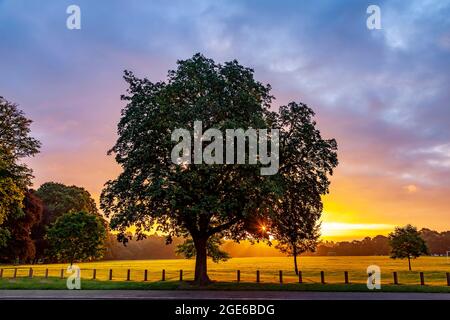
<point x="294" y="253"/>
<point x="201" y="270"/>
<point x="409" y="263"/>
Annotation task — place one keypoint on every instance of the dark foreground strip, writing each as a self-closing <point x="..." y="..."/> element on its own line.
<point x="224" y="309"/>
<point x="213" y="295"/>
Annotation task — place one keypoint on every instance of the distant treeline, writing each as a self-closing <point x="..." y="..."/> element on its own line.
<point x="438" y="244"/>
<point x="376" y="246"/>
<point x="154" y="247"/>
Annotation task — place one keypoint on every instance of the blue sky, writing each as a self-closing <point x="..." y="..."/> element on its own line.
<point x="383" y="94"/>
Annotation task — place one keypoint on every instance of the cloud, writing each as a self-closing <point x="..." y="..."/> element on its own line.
<point x="411" y="188"/>
<point x="383" y="94"/>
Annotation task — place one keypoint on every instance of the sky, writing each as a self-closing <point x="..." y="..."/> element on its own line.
<point x="382" y="94"/>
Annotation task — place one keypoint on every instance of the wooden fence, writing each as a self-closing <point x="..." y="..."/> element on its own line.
<point x="60" y="273"/>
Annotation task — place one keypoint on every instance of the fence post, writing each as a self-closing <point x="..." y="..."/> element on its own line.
<point x="281" y="276"/>
<point x="395" y="277"/>
<point x="257" y="276"/>
<point x="30" y="273"/>
<point x="46" y="273"/>
<point x="145" y="275"/>
<point x="181" y="275"/>
<point x="62" y="274"/>
<point x="163" y="275"/>
<point x="94" y="274"/>
<point x="346" y="277"/>
<point x="1" y="273"/>
<point x="448" y="279"/>
<point x="322" y="277"/>
<point x="15" y="273"/>
<point x="128" y="274"/>
<point x="110" y="274"/>
<point x="239" y="276"/>
<point x="422" y="279"/>
<point x="300" y="278"/>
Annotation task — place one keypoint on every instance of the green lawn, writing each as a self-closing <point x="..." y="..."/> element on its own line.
<point x="224" y="274"/>
<point x="60" y="284"/>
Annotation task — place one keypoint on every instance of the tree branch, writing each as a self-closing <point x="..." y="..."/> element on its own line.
<point x="223" y="226"/>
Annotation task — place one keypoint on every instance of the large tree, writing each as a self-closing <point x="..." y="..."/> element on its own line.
<point x="77" y="236"/>
<point x="11" y="194"/>
<point x="406" y="242"/>
<point x="15" y="177"/>
<point x="16" y="143"/>
<point x="196" y="200"/>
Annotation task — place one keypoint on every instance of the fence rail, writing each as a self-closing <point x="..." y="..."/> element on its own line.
<point x="181" y="275"/>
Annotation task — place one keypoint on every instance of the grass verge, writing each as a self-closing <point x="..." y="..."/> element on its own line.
<point x="60" y="284"/>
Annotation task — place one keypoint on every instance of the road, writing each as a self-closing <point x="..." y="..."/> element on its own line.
<point x="208" y="295"/>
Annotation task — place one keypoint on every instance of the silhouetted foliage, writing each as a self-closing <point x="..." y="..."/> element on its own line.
<point x="15" y="130"/>
<point x="378" y="245"/>
<point x="438" y="243"/>
<point x="199" y="201"/>
<point x="406" y="242"/>
<point x="306" y="161"/>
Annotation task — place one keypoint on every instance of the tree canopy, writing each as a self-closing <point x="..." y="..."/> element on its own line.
<point x="306" y="160"/>
<point x="200" y="200"/>
<point x="406" y="242"/>
<point x="15" y="177"/>
<point x="15" y="131"/>
<point x="59" y="199"/>
<point x="77" y="236"/>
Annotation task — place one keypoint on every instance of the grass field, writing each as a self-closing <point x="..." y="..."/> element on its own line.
<point x="434" y="268"/>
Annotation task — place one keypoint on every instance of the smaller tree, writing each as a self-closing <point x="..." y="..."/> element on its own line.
<point x="306" y="162"/>
<point x="298" y="242"/>
<point x="77" y="236"/>
<point x="406" y="242"/>
<point x="187" y="248"/>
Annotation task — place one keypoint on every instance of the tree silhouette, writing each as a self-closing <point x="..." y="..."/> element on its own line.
<point x="306" y="161"/>
<point x="195" y="200"/>
<point x="407" y="243"/>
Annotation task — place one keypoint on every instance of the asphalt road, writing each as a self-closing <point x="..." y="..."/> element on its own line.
<point x="207" y="295"/>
